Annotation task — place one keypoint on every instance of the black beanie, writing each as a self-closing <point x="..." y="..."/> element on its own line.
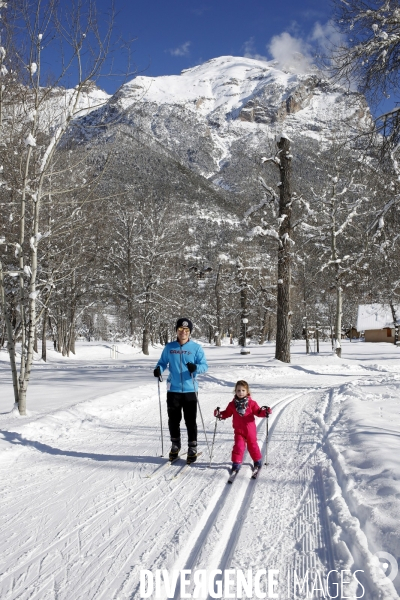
<point x="183" y="322"/>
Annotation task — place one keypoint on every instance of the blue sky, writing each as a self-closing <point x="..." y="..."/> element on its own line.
<point x="171" y="35"/>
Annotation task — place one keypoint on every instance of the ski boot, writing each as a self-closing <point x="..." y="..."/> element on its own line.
<point x="234" y="472"/>
<point x="175" y="449"/>
<point x="256" y="468"/>
<point x="192" y="453"/>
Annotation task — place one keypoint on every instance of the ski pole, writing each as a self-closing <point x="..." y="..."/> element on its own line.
<point x="266" y="444"/>
<point x="159" y="402"/>
<point x="202" y="420"/>
<point x="215" y="431"/>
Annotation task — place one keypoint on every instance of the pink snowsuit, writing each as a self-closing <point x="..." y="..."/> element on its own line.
<point x="245" y="429"/>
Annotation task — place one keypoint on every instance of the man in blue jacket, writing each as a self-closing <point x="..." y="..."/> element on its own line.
<point x="183" y="357"/>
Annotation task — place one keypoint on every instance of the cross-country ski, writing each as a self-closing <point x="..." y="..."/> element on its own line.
<point x="168" y="463"/>
<point x="185" y="467"/>
<point x="233" y="476"/>
<point x="255" y="472"/>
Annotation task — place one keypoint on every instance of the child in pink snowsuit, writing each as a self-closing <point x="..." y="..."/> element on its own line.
<point x="243" y="408"/>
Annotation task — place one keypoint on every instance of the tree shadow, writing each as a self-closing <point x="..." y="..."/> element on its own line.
<point x="18" y="440"/>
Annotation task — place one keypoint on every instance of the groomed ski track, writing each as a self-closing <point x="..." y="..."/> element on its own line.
<point x="88" y="519"/>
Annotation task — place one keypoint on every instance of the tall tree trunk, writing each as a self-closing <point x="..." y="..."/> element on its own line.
<point x="145" y="341"/>
<point x="305" y="320"/>
<point x="130" y="316"/>
<point x="283" y="316"/>
<point x="59" y="331"/>
<point x="72" y="340"/>
<point x="243" y="300"/>
<point x="130" y="285"/>
<point x="44" y="326"/>
<point x="71" y="328"/>
<point x="35" y="341"/>
<point x="10" y="338"/>
<point x="218" y="306"/>
<point x="338" y="320"/>
<point x="21" y="280"/>
<point x="264" y="328"/>
<point x="306" y="336"/>
<point x="24" y="380"/>
<point x="269" y="328"/>
<point x="334" y="258"/>
<point x="70" y="333"/>
<point x="396" y="327"/>
<point x="146" y="328"/>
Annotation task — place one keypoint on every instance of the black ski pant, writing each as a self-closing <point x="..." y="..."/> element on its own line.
<point x="176" y="403"/>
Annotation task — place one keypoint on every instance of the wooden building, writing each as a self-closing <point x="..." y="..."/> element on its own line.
<point x="376" y="321"/>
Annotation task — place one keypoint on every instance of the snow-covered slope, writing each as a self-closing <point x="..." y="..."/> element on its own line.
<point x="85" y="512"/>
<point x="205" y="113"/>
<point x="59" y="101"/>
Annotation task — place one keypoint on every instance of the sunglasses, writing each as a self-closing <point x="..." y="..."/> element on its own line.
<point x="185" y="329"/>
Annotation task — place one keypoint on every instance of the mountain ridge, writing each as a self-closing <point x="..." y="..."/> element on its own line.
<point x="203" y="112"/>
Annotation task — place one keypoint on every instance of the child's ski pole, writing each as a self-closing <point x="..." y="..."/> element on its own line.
<point x="202" y="420"/>
<point x="159" y="402"/>
<point x="215" y="431"/>
<point x="266" y="444"/>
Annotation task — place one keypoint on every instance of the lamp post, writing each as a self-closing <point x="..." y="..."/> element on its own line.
<point x="244" y="349"/>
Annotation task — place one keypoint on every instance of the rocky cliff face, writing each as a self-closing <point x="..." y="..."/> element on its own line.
<point x="203" y="113"/>
<point x="213" y="117"/>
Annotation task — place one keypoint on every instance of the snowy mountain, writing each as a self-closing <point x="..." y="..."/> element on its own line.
<point x="211" y="113"/>
<point x="56" y="103"/>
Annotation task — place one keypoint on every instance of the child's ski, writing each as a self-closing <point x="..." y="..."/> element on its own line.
<point x="166" y="464"/>
<point x="185" y="467"/>
<point x="233" y="477"/>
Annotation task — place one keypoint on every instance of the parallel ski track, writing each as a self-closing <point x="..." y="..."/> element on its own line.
<point x="245" y="503"/>
<point x="79" y="538"/>
<point x="214" y="512"/>
<point x="26" y="574"/>
<point x="118" y="505"/>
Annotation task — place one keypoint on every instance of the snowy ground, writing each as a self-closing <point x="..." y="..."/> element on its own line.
<point x="81" y="519"/>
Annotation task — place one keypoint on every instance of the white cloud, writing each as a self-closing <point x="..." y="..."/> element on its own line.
<point x="326" y="35"/>
<point x="292" y="54"/>
<point x="181" y="50"/>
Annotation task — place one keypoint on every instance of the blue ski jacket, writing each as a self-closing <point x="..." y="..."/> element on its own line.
<point x="176" y="358"/>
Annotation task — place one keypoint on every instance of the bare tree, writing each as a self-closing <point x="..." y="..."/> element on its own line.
<point x="334" y="229"/>
<point x="283" y="160"/>
<point x="35" y="131"/>
<point x="369" y="56"/>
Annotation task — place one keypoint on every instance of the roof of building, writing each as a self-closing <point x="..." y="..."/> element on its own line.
<point x="376" y="316"/>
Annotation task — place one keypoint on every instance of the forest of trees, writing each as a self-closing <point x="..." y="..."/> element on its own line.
<point x="106" y="235"/>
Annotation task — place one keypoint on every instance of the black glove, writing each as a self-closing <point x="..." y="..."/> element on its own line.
<point x="217" y="414"/>
<point x="191" y="367"/>
<point x="157" y="372"/>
